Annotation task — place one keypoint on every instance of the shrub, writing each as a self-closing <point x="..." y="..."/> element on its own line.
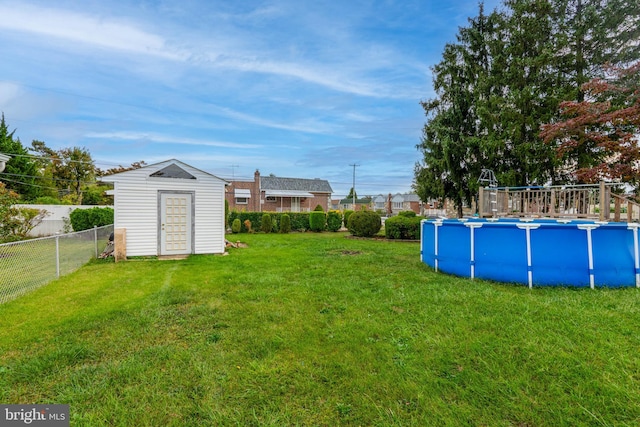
<point x="317" y="221"/>
<point x="84" y="219"/>
<point x="334" y="221"/>
<point x="364" y="223"/>
<point x="266" y="225"/>
<point x="346" y="215"/>
<point x="49" y="200"/>
<point x="318" y="208"/>
<point x="407" y="214"/>
<point x="236" y="226"/>
<point x="402" y="227"/>
<point x="285" y="223"/>
<point x="27" y="219"/>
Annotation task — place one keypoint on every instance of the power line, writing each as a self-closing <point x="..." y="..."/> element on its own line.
<point x="31" y="156"/>
<point x="45" y="178"/>
<point x="30" y="184"/>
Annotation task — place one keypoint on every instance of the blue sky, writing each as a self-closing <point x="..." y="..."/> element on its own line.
<point x="293" y="88"/>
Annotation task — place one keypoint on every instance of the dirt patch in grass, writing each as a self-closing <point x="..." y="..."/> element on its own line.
<point x="346" y="252"/>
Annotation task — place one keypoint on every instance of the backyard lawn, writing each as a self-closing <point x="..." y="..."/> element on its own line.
<point x="319" y="329"/>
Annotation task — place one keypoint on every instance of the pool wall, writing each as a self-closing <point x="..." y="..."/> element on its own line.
<point x="534" y="252"/>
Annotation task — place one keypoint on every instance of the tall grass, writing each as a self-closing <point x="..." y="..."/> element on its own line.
<point x="318" y="329"/>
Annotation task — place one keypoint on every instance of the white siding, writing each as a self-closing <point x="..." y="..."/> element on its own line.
<point x="136" y="208"/>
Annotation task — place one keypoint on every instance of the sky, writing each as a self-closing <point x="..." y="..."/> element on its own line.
<point x="294" y="88"/>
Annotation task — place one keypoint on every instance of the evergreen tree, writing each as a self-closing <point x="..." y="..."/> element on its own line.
<point x="352" y="194"/>
<point x="21" y="172"/>
<point x="504" y="77"/>
<point x="529" y="94"/>
<point x="451" y="144"/>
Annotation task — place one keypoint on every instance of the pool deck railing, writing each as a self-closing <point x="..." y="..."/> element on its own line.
<point x="597" y="202"/>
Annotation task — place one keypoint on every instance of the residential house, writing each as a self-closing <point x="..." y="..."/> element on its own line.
<point x="361" y="204"/>
<point x="393" y="204"/>
<point x="278" y="194"/>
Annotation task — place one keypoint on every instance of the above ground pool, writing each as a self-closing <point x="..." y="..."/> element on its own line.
<point x="540" y="252"/>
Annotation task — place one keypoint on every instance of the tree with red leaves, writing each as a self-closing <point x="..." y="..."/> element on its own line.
<point x="600" y="136"/>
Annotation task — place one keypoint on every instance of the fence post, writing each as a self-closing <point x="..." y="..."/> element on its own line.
<point x="57" y="255"/>
<point x="602" y="201"/>
<point x="95" y="239"/>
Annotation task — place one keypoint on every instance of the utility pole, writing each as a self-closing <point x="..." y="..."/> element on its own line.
<point x="353" y="188"/>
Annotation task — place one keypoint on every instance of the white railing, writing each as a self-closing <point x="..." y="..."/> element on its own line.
<point x="286" y="210"/>
<point x="30" y="264"/>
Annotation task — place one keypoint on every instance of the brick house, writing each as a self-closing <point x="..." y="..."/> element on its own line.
<point x="277" y="194"/>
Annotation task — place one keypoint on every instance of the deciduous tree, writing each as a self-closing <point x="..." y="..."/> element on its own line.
<point x="605" y="127"/>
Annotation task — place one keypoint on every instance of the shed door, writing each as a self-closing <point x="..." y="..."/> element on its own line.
<point x="176" y="223"/>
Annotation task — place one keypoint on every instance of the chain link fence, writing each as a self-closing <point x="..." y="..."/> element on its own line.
<point x="30" y="264"/>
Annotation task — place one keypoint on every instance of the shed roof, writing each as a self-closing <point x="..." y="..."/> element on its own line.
<point x="171" y="168"/>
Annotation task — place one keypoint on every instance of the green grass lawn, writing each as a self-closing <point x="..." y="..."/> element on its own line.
<point x="318" y="329"/>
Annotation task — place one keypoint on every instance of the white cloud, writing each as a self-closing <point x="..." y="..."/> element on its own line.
<point x="164" y="139"/>
<point x="345" y="70"/>
<point x="85" y="29"/>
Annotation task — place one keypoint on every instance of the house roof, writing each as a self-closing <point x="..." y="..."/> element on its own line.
<point x="360" y="201"/>
<point x="274" y="183"/>
<point x="287" y="193"/>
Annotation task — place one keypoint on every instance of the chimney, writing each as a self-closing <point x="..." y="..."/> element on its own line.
<point x="257" y="192"/>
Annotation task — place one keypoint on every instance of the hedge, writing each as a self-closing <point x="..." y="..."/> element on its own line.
<point x="299" y="220"/>
<point x="84" y="219"/>
<point x="402" y="227"/>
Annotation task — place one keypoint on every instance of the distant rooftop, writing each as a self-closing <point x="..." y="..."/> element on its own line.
<point x="295" y="184"/>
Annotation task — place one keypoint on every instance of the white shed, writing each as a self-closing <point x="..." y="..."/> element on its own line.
<point x="169" y="208"/>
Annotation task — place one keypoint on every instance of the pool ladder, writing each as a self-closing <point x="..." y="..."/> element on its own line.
<point x="488" y="177"/>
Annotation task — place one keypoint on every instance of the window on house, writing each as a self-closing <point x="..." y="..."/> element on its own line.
<point x="271" y="198"/>
<point x="397" y="205"/>
<point x="241" y="200"/>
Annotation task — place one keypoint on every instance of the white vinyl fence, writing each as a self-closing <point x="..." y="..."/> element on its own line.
<point x="56" y="219"/>
<point x="30" y="264"/>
